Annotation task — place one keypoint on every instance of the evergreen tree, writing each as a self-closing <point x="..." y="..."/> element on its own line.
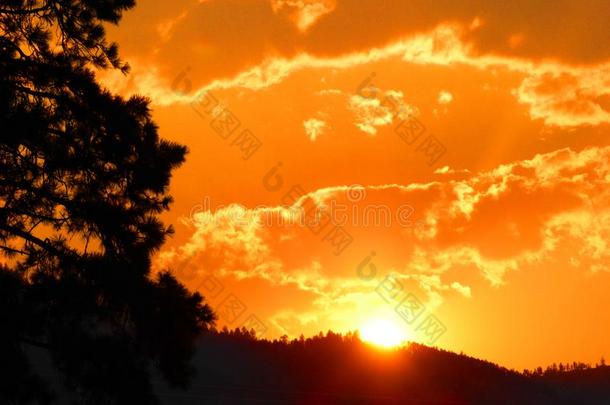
<point x="83" y="179"/>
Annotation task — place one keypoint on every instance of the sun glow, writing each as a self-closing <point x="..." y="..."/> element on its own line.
<point x="382" y="333"/>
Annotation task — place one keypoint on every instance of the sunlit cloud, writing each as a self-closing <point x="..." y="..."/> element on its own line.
<point x="314" y="128"/>
<point x="304" y="13"/>
<point x="380" y="110"/>
<point x="166" y="27"/>
<point x="569" y="98"/>
<point x="445" y="97"/>
<point x="565" y="193"/>
<point x="560" y="95"/>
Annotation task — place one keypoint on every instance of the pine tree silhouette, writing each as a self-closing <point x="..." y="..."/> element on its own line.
<point x="83" y="179"/>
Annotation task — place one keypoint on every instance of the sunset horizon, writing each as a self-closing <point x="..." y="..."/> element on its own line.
<point x="502" y="227"/>
<point x="431" y="178"/>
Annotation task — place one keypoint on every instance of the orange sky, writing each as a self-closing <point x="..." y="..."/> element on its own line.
<point x="503" y="238"/>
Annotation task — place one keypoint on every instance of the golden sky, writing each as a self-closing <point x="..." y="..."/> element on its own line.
<point x="459" y="149"/>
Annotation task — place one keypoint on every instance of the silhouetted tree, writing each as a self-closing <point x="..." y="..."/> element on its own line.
<point x="83" y="179"/>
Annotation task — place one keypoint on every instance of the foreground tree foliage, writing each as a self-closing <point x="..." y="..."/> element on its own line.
<point x="83" y="179"/>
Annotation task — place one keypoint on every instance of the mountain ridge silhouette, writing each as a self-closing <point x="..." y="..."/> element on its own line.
<point x="233" y="367"/>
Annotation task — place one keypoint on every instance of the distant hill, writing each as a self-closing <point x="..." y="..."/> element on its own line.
<point x="235" y="368"/>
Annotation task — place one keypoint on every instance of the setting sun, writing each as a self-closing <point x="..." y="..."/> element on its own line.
<point x="382" y="333"/>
